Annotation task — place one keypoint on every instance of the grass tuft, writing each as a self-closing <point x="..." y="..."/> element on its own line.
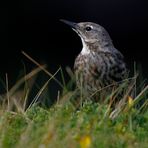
<point x="70" y="123"/>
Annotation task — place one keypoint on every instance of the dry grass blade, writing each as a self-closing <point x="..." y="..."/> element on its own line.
<point x="25" y="100"/>
<point x="70" y="72"/>
<point x="42" y="89"/>
<point x="7" y="90"/>
<point x="22" y="80"/>
<point x="47" y="72"/>
<point x="111" y="85"/>
<point x="140" y="94"/>
<point x="122" y="102"/>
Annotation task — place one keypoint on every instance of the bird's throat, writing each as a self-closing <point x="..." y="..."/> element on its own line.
<point x="85" y="49"/>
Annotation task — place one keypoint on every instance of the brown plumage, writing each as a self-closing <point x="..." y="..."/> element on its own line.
<point x="99" y="63"/>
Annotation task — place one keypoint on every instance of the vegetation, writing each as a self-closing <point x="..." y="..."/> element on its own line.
<point x="73" y="124"/>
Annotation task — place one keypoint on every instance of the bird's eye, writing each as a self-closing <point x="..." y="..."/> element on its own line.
<point x="88" y="28"/>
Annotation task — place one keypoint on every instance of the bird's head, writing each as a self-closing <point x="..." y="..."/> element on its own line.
<point x="90" y="32"/>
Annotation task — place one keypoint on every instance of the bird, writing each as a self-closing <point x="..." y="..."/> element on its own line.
<point x="99" y="63"/>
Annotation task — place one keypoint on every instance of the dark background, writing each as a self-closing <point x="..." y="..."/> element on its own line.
<point x="34" y="27"/>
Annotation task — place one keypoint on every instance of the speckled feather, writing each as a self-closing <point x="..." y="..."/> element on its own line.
<point x="99" y="63"/>
<point x="97" y="70"/>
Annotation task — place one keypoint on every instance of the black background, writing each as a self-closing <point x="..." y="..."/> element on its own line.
<point x="34" y="27"/>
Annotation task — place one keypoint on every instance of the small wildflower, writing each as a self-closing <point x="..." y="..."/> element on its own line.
<point x="85" y="141"/>
<point x="130" y="101"/>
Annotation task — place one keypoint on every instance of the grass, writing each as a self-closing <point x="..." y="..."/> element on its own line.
<point x="66" y="124"/>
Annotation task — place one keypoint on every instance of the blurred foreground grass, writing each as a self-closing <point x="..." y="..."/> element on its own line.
<point x="66" y="125"/>
<point x="62" y="126"/>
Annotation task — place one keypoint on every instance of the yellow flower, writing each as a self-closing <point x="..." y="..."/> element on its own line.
<point x="85" y="141"/>
<point x="130" y="101"/>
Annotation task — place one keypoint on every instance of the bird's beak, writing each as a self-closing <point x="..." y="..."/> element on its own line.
<point x="72" y="24"/>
